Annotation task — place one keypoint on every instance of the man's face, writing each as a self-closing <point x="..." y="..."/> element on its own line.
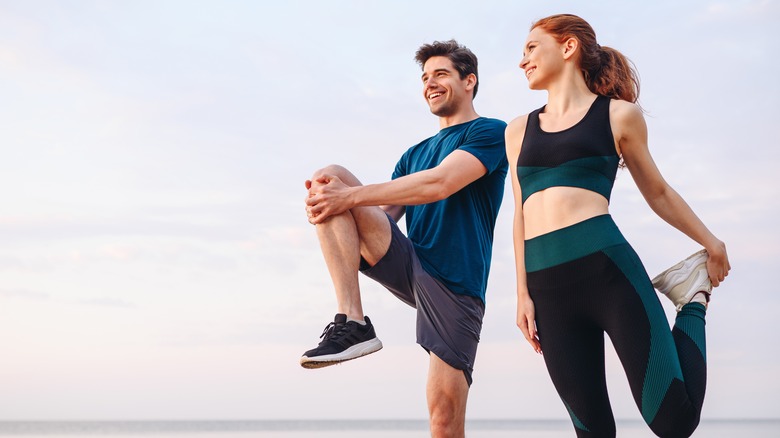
<point x="443" y="88"/>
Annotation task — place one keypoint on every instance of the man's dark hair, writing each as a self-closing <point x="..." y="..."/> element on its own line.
<point x="461" y="57"/>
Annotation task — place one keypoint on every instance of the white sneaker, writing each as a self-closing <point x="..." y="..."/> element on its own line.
<point x="683" y="281"/>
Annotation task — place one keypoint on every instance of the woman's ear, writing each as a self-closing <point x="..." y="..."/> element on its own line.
<point x="570" y="47"/>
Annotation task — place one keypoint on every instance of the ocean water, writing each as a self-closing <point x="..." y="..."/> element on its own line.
<point x="354" y="429"/>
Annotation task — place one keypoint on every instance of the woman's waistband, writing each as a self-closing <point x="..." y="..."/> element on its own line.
<point x="571" y="243"/>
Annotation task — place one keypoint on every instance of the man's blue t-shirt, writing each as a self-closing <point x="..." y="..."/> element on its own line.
<point x="453" y="238"/>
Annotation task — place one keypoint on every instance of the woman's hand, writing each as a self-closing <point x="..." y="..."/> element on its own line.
<point x="718" y="265"/>
<point x="526" y="321"/>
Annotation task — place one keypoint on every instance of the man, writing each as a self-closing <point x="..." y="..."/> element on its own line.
<point x="450" y="187"/>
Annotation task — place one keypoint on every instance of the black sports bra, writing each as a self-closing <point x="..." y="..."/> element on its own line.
<point x="582" y="156"/>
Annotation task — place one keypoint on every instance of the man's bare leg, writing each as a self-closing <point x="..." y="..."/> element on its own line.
<point x="447" y="393"/>
<point x="340" y="246"/>
<point x="344" y="238"/>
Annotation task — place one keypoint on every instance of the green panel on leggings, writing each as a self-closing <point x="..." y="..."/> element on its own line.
<point x="577" y="423"/>
<point x="690" y="320"/>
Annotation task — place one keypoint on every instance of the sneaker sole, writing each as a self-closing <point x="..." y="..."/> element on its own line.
<point x="682" y="277"/>
<point x="353" y="352"/>
<point x="679" y="272"/>
<point x="692" y="287"/>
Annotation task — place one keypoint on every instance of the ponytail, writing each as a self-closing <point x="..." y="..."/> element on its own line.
<point x="607" y="72"/>
<point x="615" y="76"/>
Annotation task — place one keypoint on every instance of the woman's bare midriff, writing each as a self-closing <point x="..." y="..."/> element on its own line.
<point x="558" y="207"/>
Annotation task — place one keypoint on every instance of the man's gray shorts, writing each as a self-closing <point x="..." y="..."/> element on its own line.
<point x="448" y="324"/>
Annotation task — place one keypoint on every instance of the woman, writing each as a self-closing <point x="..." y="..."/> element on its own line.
<point x="577" y="277"/>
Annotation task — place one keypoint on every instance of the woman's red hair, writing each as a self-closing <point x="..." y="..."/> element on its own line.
<point x="607" y="71"/>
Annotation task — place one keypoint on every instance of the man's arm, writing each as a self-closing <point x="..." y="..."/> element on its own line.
<point x="456" y="171"/>
<point x="394" y="211"/>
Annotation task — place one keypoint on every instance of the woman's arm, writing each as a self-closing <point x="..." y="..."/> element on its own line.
<point x="525" y="306"/>
<point x="630" y="131"/>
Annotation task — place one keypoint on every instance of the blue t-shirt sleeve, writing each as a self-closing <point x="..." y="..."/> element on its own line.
<point x="485" y="141"/>
<point x="401" y="166"/>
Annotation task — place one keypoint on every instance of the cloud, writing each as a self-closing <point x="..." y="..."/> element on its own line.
<point x="741" y="11"/>
<point x="24" y="294"/>
<point x="108" y="302"/>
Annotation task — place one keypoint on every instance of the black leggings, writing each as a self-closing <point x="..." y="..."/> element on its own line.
<point x="585" y="280"/>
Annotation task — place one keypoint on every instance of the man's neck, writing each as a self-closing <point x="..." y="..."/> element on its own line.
<point x="458" y="118"/>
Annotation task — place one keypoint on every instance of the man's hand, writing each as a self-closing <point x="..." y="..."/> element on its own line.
<point x="328" y="196"/>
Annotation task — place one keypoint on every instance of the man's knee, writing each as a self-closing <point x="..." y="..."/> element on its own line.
<point x="335" y="170"/>
<point x="445" y="408"/>
<point x="447" y="394"/>
<point x="447" y="415"/>
<point x="331" y="169"/>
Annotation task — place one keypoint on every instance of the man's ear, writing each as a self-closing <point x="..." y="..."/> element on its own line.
<point x="471" y="81"/>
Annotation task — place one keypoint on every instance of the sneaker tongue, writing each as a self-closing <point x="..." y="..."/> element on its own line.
<point x="340" y="318"/>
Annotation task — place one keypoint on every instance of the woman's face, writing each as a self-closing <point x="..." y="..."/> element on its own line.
<point x="542" y="58"/>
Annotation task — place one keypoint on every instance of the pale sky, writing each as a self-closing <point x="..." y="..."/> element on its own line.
<point x="155" y="258"/>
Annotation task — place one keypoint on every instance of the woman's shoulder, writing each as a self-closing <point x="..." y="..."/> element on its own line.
<point x="517" y="125"/>
<point x="515" y="131"/>
<point x="623" y="109"/>
<point x="626" y="118"/>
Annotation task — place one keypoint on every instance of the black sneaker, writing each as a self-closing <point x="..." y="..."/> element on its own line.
<point x="342" y="341"/>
